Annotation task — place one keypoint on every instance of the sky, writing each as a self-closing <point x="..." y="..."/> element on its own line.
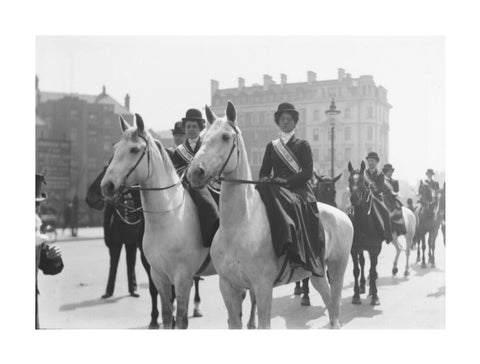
<point x="165" y="76"/>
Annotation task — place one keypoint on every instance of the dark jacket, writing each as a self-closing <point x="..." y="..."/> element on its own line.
<point x="378" y="185"/>
<point x="297" y="182"/>
<point x="120" y="225"/>
<point x="178" y="161"/>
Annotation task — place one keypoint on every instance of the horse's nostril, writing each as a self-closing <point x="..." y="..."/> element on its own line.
<point x="108" y="189"/>
<point x="201" y="172"/>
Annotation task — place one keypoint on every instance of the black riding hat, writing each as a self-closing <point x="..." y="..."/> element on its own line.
<point x="194" y="115"/>
<point x="286" y="107"/>
<point x="373" y="155"/>
<point x="39" y="180"/>
<point x="388" y="167"/>
<point x="430" y="171"/>
<point x="178" y="129"/>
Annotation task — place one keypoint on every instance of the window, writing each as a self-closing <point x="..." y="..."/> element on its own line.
<point x="347" y="133"/>
<point x="316" y="135"/>
<point x="248" y="118"/>
<point x="347" y="113"/>
<point x="316" y="115"/>
<point x="370" y="133"/>
<point x="370" y="112"/>
<point x="348" y="154"/>
<point x="261" y="117"/>
<point x="316" y="155"/>
<point x="255" y="156"/>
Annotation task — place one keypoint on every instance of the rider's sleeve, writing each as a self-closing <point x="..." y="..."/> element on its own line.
<point x="266" y="169"/>
<point x="396" y="188"/>
<point x="306" y="164"/>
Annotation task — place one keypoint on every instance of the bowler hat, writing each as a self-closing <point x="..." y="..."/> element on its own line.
<point x="178" y="128"/>
<point x="194" y="115"/>
<point x="373" y="155"/>
<point x="286" y="107"/>
<point x="39" y="180"/>
<point x="388" y="167"/>
<point x="429" y="171"/>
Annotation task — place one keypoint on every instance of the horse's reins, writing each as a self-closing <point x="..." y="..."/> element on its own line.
<point x="245" y="181"/>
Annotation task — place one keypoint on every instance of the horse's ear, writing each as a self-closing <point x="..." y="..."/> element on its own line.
<point x="123" y="124"/>
<point x="350" y="167"/>
<point x="337" y="178"/>
<point x="140" y="124"/>
<point x="231" y="112"/>
<point x="362" y="167"/>
<point x="211" y="117"/>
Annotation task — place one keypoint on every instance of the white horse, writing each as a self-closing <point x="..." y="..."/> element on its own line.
<point x="172" y="239"/>
<point x="410" y="225"/>
<point x="242" y="251"/>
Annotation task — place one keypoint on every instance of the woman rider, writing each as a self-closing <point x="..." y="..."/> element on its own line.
<point x="290" y="202"/>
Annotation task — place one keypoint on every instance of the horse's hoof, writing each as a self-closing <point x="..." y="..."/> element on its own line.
<point x="197" y="313"/>
<point x="407" y="273"/>
<point x="424" y="265"/>
<point x="251" y="327"/>
<point x="173" y="323"/>
<point x="335" y="326"/>
<point x="362" y="289"/>
<point x="394" y="270"/>
<point x="305" y="301"/>
<point x="154" y="325"/>
<point x="418" y="260"/>
<point x="375" y="301"/>
<point x="433" y="265"/>
<point x="370" y="292"/>
<point x="297" y="291"/>
<point x="356" y="300"/>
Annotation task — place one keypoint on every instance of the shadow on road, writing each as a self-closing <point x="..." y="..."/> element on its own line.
<point x="90" y="303"/>
<point x="420" y="272"/>
<point x="295" y="315"/>
<point x="350" y="311"/>
<point x="440" y="292"/>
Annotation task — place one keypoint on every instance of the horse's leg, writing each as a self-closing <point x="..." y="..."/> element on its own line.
<point x="322" y="286"/>
<point x="298" y="289"/>
<point x="373" y="253"/>
<point x="251" y="322"/>
<point x="432" y="237"/>
<point x="305" y="298"/>
<point x="183" y="287"/>
<point x="409" y="242"/>
<point x="424" y="265"/>
<point x="418" y="241"/>
<point x="397" y="254"/>
<point x="233" y="300"/>
<point x="361" y="259"/>
<point x="356" y="272"/>
<point x="153" y="294"/>
<point x="164" y="288"/>
<point x="263" y="293"/>
<point x="196" y="299"/>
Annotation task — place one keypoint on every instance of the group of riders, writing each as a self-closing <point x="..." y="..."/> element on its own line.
<point x="284" y="185"/>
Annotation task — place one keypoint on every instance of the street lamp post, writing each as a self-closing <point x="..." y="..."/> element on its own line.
<point x="332" y="113"/>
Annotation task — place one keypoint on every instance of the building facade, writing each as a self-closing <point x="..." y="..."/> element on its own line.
<point x="362" y="125"/>
<point x="74" y="138"/>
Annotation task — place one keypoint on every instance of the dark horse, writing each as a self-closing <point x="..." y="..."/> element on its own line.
<point x="428" y="217"/>
<point x="366" y="235"/>
<point x="442" y="212"/>
<point x="324" y="191"/>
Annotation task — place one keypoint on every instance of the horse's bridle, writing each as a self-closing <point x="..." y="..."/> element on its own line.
<point x="121" y="189"/>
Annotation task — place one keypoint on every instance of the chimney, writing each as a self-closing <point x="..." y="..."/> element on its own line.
<point x="267" y="81"/>
<point x="214" y="85"/>
<point x="341" y="74"/>
<point x="104" y="90"/>
<point x="349" y="76"/>
<point x="127" y="102"/>
<point x="311" y="76"/>
<point x="241" y="83"/>
<point x="37" y="92"/>
<point x="36" y="83"/>
<point x="283" y="78"/>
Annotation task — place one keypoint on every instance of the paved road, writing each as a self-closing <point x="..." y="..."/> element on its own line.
<point x="72" y="299"/>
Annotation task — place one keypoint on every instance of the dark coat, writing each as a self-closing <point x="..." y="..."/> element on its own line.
<point x="378" y="185"/>
<point x="116" y="230"/>
<point x="297" y="182"/>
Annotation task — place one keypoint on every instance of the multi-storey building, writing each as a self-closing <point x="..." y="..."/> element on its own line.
<point x="362" y="126"/>
<point x="74" y="138"/>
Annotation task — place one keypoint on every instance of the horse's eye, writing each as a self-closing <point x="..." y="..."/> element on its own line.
<point x="134" y="150"/>
<point x="226" y="137"/>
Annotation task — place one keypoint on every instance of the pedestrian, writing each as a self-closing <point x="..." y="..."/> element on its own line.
<point x="75" y="215"/>
<point x="67" y="216"/>
<point x="48" y="257"/>
<point x="123" y="226"/>
<point x="410" y="205"/>
<point x="290" y="202"/>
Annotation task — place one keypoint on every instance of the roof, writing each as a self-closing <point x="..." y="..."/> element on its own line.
<point x="91" y="99"/>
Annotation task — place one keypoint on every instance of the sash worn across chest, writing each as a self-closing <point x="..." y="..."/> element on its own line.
<point x="286" y="155"/>
<point x="186" y="155"/>
<point x="389" y="185"/>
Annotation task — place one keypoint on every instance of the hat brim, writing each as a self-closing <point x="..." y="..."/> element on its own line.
<point x="42" y="198"/>
<point x="177" y="132"/>
<point x="184" y="120"/>
<point x="388" y="169"/>
<point x="279" y="112"/>
<point x="375" y="158"/>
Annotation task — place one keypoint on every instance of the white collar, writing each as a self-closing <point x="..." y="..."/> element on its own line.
<point x="194" y="140"/>
<point x="287" y="136"/>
